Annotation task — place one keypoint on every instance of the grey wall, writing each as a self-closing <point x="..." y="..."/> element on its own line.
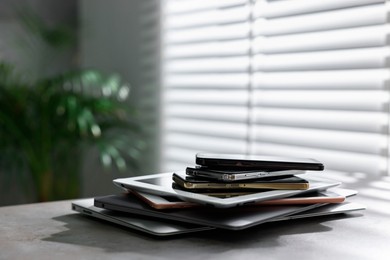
<point x="13" y="49"/>
<point x="122" y="37"/>
<point x="15" y="44"/>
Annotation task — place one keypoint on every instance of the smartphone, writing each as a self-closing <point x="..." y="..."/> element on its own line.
<point x="274" y="183"/>
<point x="255" y="162"/>
<point x="229" y="176"/>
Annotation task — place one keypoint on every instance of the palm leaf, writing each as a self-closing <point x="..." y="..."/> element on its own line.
<point x="62" y="114"/>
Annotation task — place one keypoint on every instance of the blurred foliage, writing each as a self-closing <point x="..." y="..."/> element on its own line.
<point x="44" y="121"/>
<point x="47" y="123"/>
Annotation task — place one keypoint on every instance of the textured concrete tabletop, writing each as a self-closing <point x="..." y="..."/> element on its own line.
<point x="53" y="231"/>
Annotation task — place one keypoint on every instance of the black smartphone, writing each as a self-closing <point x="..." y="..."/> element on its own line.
<point x="256" y="162"/>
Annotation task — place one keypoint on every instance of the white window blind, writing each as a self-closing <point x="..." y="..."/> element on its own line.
<point x="293" y="78"/>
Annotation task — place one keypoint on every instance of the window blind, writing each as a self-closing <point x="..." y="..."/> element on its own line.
<point x="205" y="79"/>
<point x="292" y="78"/>
<point x="320" y="82"/>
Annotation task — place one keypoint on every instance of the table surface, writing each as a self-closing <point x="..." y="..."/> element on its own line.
<point x="52" y="230"/>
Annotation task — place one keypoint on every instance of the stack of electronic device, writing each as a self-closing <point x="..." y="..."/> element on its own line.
<point x="222" y="192"/>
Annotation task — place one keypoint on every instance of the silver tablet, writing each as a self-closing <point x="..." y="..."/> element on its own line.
<point x="237" y="218"/>
<point x="326" y="210"/>
<point x="161" y="184"/>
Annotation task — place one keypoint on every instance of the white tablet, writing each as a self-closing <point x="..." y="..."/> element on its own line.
<point x="335" y="195"/>
<point x="161" y="184"/>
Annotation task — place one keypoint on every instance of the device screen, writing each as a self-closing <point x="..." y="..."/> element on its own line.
<point x="165" y="181"/>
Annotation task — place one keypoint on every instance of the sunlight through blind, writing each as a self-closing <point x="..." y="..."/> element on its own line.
<point x="292" y="78"/>
<point x="206" y="63"/>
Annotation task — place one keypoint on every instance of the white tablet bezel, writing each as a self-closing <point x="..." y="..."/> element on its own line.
<point x="333" y="196"/>
<point x="134" y="183"/>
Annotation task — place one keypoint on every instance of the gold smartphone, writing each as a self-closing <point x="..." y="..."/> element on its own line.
<point x="274" y="183"/>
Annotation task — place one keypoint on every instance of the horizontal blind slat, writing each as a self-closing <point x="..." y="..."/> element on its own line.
<point x="207" y="128"/>
<point x="181" y="6"/>
<point x="337" y="79"/>
<point x="272" y="9"/>
<point x="209" y="49"/>
<point x="206" y="96"/>
<point x="231" y="80"/>
<point x="203" y="143"/>
<point x="361" y="37"/>
<point x="324" y="60"/>
<point x="338" y="19"/>
<point x="368" y="143"/>
<point x="365" y="100"/>
<point x="203" y="18"/>
<point x="208" y="112"/>
<point x="370" y="122"/>
<point x="229" y="64"/>
<point x="210" y="33"/>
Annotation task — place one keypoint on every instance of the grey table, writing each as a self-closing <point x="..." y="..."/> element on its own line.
<point x="53" y="231"/>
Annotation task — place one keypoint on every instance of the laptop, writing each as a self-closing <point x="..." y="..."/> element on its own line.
<point x="160" y="228"/>
<point x="155" y="227"/>
<point x="232" y="219"/>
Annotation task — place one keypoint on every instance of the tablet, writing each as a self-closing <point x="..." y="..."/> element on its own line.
<point x="157" y="227"/>
<point x="237" y="218"/>
<point x="336" y="195"/>
<point x="161" y="184"/>
<point x="150" y="226"/>
<point x="331" y="209"/>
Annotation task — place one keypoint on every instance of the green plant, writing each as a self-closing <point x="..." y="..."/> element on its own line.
<point x="51" y="116"/>
<point x="47" y="125"/>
